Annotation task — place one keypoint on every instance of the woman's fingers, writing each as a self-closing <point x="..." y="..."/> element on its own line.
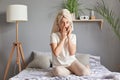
<point x="69" y="30"/>
<point x="64" y="33"/>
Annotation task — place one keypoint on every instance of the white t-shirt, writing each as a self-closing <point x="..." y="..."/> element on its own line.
<point x="64" y="58"/>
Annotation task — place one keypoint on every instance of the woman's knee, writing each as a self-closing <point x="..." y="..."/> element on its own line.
<point x="79" y="69"/>
<point x="61" y="71"/>
<point x="58" y="71"/>
<point x="85" y="72"/>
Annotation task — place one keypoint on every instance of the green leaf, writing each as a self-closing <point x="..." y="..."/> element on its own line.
<point x="108" y="14"/>
<point x="73" y="6"/>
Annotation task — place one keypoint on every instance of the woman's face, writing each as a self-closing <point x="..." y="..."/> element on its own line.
<point x="64" y="23"/>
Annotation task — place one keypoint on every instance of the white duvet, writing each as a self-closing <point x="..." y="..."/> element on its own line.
<point x="97" y="73"/>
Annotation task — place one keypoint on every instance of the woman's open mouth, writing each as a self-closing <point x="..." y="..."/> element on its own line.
<point x="66" y="28"/>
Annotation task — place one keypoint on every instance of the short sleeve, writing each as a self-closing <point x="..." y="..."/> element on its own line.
<point x="73" y="38"/>
<point x="53" y="38"/>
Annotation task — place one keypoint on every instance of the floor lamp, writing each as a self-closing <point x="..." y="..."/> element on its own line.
<point x="16" y="13"/>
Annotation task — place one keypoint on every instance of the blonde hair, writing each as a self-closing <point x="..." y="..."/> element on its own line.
<point x="63" y="13"/>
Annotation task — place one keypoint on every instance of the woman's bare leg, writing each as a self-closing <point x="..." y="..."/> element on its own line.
<point x="79" y="69"/>
<point x="61" y="71"/>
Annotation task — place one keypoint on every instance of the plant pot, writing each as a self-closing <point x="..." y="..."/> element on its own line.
<point x="73" y="16"/>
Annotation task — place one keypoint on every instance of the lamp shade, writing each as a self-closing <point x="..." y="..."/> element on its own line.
<point x="16" y="12"/>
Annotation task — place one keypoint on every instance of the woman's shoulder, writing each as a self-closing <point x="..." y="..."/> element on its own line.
<point x="73" y="34"/>
<point x="55" y="34"/>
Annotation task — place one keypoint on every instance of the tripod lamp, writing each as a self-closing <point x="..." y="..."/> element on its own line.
<point x="16" y="13"/>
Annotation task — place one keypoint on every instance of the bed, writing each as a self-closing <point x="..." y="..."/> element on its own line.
<point x="98" y="72"/>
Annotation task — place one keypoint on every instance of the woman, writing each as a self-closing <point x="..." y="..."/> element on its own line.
<point x="63" y="46"/>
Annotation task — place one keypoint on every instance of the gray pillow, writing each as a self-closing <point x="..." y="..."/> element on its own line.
<point x="83" y="58"/>
<point x="41" y="60"/>
<point x="94" y="61"/>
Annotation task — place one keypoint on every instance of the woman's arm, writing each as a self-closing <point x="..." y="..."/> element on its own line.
<point x="57" y="48"/>
<point x="71" y="47"/>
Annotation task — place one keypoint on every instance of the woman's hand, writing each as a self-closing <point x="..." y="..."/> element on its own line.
<point x="69" y="31"/>
<point x="63" y="33"/>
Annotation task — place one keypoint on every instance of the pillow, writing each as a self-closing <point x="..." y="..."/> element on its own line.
<point x="88" y="59"/>
<point x="83" y="58"/>
<point x="41" y="60"/>
<point x="94" y="61"/>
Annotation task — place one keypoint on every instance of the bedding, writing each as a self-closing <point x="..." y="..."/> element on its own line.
<point x="98" y="72"/>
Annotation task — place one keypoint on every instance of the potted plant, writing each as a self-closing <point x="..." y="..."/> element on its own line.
<point x="108" y="14"/>
<point x="73" y="7"/>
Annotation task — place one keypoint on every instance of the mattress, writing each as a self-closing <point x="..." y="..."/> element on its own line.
<point x="97" y="73"/>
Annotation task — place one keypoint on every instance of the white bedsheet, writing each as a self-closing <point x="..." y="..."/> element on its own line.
<point x="97" y="73"/>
